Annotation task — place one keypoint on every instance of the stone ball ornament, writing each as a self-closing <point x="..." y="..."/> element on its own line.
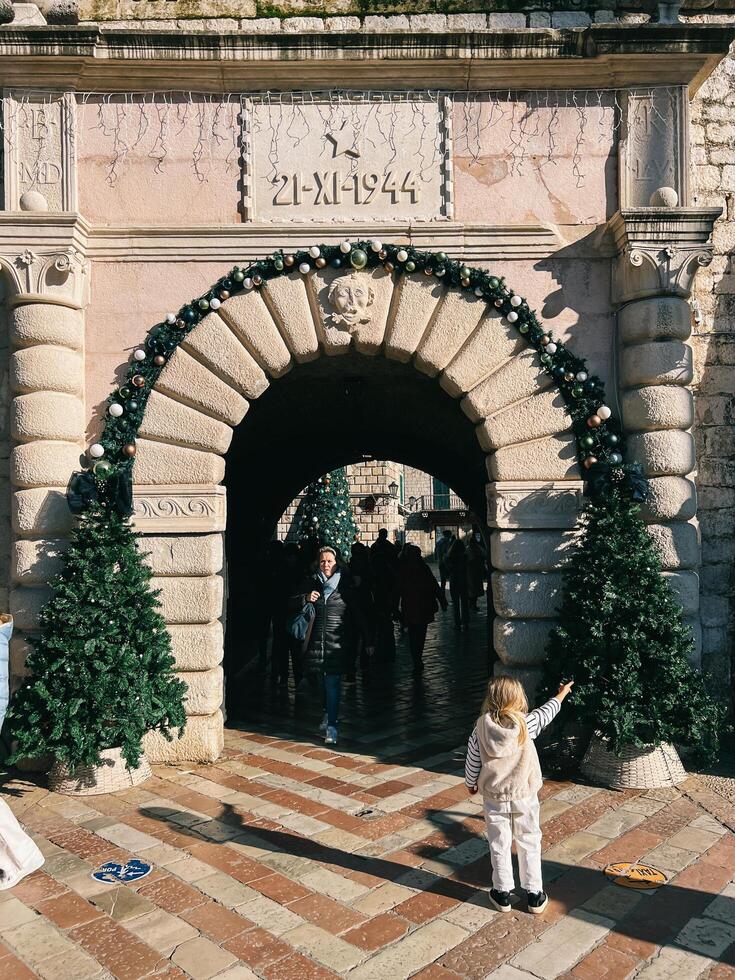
<point x="350" y="300"/>
<point x="664" y="197"/>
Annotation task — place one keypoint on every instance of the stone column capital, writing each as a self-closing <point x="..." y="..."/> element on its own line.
<point x="660" y="250"/>
<point x="43" y="260"/>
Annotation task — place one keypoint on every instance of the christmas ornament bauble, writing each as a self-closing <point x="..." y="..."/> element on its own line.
<point x="515" y="301"/>
<point x="238" y="275"/>
<point x="314" y="251"/>
<point x="577" y="391"/>
<point x="180" y="323"/>
<point x="189" y="316"/>
<point x="611" y="439"/>
<point x="102" y="469"/>
<point x="494" y="282"/>
<point x="304" y="268"/>
<point x="138" y="381"/>
<point x="226" y="284"/>
<point x="524" y="328"/>
<point x="441" y="257"/>
<point x="247" y="283"/>
<point x="512" y="317"/>
<point x="581" y="375"/>
<point x="382" y="254"/>
<point x="465" y="271"/>
<point x="257" y="280"/>
<point x="203" y="304"/>
<point x="96" y="451"/>
<point x="124" y="392"/>
<point x="616" y="459"/>
<point x="559" y="371"/>
<point x="588" y="441"/>
<point x="545" y="358"/>
<point x="159" y="360"/>
<point x="336" y="263"/>
<point x="170" y="318"/>
<point x="320" y="262"/>
<point x="225" y="293"/>
<point x="604" y="412"/>
<point x="358" y="258"/>
<point x="551" y="348"/>
<point x="214" y="303"/>
<point x="278" y="264"/>
<point x="465" y="282"/>
<point x="389" y="267"/>
<point x="288" y="260"/>
<point x="440" y="271"/>
<point x="590" y="461"/>
<point x="479" y="291"/>
<point x="401" y="254"/>
<point x="345" y="247"/>
<point x="544" y="339"/>
<point x="139" y="354"/>
<point x="132" y="405"/>
<point x="428" y="271"/>
<point x="375" y="245"/>
<point x="129" y="449"/>
<point x="410" y="266"/>
<point x="568" y="376"/>
<point x="594" y="421"/>
<point x="498" y="303"/>
<point x="115" y="410"/>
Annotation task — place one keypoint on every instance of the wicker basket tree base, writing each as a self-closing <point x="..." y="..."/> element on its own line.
<point x="110" y="776"/>
<point x="649" y="768"/>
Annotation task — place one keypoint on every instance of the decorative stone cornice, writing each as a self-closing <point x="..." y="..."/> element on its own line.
<point x="176" y="509"/>
<point x="529" y="504"/>
<point x="95" y="58"/>
<point x="660" y="250"/>
<point x="43" y="259"/>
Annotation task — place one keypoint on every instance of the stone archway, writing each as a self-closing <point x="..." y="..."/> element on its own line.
<point x="255" y="338"/>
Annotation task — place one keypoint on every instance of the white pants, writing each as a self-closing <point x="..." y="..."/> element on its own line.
<point x="515" y="820"/>
<point x="19" y="856"/>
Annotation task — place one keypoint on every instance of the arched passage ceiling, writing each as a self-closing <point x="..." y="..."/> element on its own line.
<point x="335" y="411"/>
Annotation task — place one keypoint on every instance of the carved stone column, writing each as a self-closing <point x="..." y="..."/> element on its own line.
<point x="46" y="290"/>
<point x="533" y="524"/>
<point x="660" y="251"/>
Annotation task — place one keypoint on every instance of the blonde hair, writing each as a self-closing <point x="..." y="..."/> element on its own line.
<point x="506" y="702"/>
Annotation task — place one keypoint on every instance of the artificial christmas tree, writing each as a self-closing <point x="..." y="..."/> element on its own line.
<point x="325" y="514"/>
<point x="102" y="674"/>
<point x="622" y="637"/>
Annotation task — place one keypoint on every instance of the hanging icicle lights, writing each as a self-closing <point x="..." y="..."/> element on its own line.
<point x="522" y="127"/>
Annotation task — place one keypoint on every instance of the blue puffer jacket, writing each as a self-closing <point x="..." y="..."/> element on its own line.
<point x="6" y="631"/>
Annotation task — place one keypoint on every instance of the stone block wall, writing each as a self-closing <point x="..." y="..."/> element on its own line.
<point x="713" y="342"/>
<point x="371" y="477"/>
<point x="5" y="447"/>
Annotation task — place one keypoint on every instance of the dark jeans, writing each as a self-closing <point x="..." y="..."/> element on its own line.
<point x="416" y="642"/>
<point x="331" y="688"/>
<point x="460" y="602"/>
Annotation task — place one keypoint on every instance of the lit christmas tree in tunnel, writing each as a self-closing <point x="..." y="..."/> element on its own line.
<point x="325" y="513"/>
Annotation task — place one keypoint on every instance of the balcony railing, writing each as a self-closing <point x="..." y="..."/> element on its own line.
<point x="435" y="501"/>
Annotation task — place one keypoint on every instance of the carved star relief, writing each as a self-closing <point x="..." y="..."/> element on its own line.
<point x="346" y="141"/>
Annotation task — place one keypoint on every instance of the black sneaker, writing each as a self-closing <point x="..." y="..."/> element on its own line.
<point x="501" y="900"/>
<point x="537" y="902"/>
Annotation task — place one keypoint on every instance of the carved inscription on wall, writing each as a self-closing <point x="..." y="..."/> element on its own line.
<point x="39" y="164"/>
<point x="323" y="160"/>
<point x="654" y="150"/>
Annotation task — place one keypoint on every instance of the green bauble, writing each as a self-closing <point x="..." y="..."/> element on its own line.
<point x="441" y="257"/>
<point x="546" y="358"/>
<point x="465" y="272"/>
<point x="102" y="469"/>
<point x="238" y="275"/>
<point x="410" y="266"/>
<point x="588" y="442"/>
<point x="577" y="391"/>
<point x="358" y="258"/>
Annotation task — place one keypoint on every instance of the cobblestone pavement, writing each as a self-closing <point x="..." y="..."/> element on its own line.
<point x="287" y="860"/>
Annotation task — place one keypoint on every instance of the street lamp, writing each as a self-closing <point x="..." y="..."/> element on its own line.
<point x="393" y="489"/>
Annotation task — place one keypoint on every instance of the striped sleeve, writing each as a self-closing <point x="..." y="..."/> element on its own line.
<point x="472" y="763"/>
<point x="539" y="718"/>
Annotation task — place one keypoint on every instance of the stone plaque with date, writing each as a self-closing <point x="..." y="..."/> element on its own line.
<point x="325" y="161"/>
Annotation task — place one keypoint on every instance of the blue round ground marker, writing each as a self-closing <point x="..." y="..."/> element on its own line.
<point x="115" y="874"/>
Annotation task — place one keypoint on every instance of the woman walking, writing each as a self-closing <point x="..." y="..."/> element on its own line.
<point x="420" y="596"/>
<point x="336" y="627"/>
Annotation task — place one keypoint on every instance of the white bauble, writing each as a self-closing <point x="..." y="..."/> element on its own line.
<point x="515" y="301"/>
<point x="115" y="410"/>
<point x="214" y="303"/>
<point x="170" y="318"/>
<point x="375" y="245"/>
<point x="604" y="412"/>
<point x="314" y="252"/>
<point x="551" y="348"/>
<point x="304" y="268"/>
<point x="139" y="354"/>
<point x="512" y="317"/>
<point x="345" y="247"/>
<point x="401" y="254"/>
<point x="96" y="451"/>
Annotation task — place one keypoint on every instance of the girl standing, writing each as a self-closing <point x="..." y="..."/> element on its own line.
<point x="502" y="763"/>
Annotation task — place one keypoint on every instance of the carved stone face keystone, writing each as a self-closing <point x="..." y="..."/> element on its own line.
<point x="350" y="296"/>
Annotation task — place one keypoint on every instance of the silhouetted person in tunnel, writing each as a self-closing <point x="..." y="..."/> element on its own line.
<point x="420" y="596"/>
<point x="457" y="571"/>
<point x="443" y="545"/>
<point x="363" y="582"/>
<point x="384" y="567"/>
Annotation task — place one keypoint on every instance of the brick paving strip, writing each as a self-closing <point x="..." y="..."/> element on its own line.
<point x="285" y="860"/>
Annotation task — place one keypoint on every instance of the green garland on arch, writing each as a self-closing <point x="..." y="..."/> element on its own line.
<point x="599" y="438"/>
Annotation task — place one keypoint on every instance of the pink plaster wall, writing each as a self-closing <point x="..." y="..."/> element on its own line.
<point x="518" y="163"/>
<point x="158" y="165"/>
